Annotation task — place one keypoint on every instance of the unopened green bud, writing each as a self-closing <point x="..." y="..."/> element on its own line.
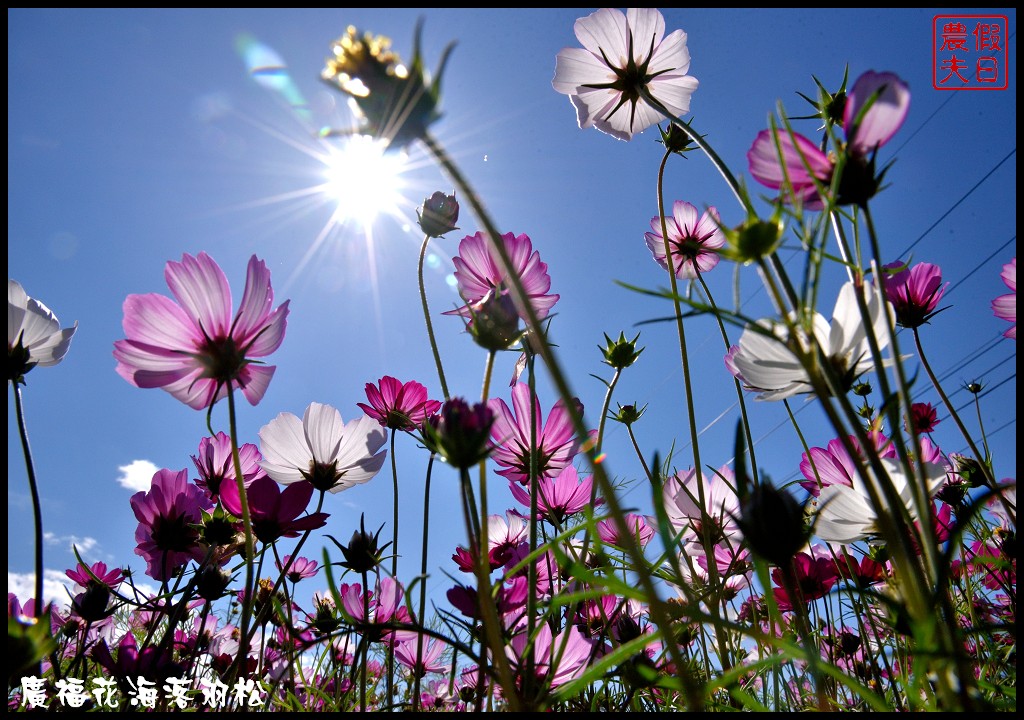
<point x="753" y="240"/>
<point x="627" y="414"/>
<point x="620" y="353"/>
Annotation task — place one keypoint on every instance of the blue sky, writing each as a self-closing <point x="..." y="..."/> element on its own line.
<point x="137" y="135"/>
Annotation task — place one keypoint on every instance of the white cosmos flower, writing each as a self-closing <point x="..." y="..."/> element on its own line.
<point x="322" y="449"/>
<point x="34" y="336"/>
<point x="847" y="514"/>
<point x="766" y="364"/>
<point x="620" y="55"/>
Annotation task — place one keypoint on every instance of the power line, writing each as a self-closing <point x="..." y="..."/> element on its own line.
<point x="957" y="203"/>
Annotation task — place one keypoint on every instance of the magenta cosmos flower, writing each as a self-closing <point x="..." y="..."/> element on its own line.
<point x="1005" y="306"/>
<point x="558" y="497"/>
<point x="168" y="514"/>
<point x="922" y="418"/>
<point x="398" y="405"/>
<point x="216" y="466"/>
<point x="275" y="513"/>
<point x="692" y="240"/>
<point x="914" y="292"/>
<point x="832" y="465"/>
<point x="875" y="109"/>
<point x="556" y="443"/>
<point x="478" y="272"/>
<point x="194" y="348"/>
<point x="322" y="449"/>
<point x="626" y="60"/>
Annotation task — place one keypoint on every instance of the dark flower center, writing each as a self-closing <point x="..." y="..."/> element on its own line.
<point x="222" y="358"/>
<point x="323" y="476"/>
<point x="174" y="534"/>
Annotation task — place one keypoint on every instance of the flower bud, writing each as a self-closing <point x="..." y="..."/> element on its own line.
<point x="460" y="433"/>
<point x="772" y="523"/>
<point x="438" y="214"/>
<point x="753" y="240"/>
<point x="363" y="552"/>
<point x="676" y="139"/>
<point x="628" y="414"/>
<point x="495" y="321"/>
<point x="212" y="584"/>
<point x="620" y="353"/>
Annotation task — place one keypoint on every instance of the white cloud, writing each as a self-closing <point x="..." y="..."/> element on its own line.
<point x="137" y="475"/>
<point x="55" y="584"/>
<point x="86" y="545"/>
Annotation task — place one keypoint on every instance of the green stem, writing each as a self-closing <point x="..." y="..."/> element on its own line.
<point x="739" y="388"/>
<point x="706" y="524"/>
<point x="389" y="682"/>
<point x="37" y="508"/>
<point x="604" y="409"/>
<point x="983" y="460"/>
<point x="423" y="581"/>
<point x="492" y="634"/>
<point x="250" y="544"/>
<point x="426" y="319"/>
<point x="658" y="609"/>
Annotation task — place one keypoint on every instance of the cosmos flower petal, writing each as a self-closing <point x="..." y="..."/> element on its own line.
<point x="201" y="288"/>
<point x="323" y="429"/>
<point x="284" y="448"/>
<point x="883" y="118"/>
<point x="253" y="381"/>
<point x="157" y="320"/>
<point x="604" y="31"/>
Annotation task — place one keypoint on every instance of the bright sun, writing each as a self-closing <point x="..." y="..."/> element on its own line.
<point x="363" y="180"/>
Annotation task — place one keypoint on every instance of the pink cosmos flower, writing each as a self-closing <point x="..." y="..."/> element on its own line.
<point x="96" y="574"/>
<point x="625" y="60"/>
<point x="560" y="496"/>
<point x="882" y="119"/>
<point x="478" y="272"/>
<point x="509" y="599"/>
<point x="322" y="449"/>
<point x="299" y="568"/>
<point x="193" y="348"/>
<point x="692" y="242"/>
<point x="682" y="495"/>
<point x="557" y="658"/>
<point x="914" y="292"/>
<point x="643" y="531"/>
<point x="832" y="465"/>
<point x="385" y="606"/>
<point x="556" y="442"/>
<point x="397" y="405"/>
<point x="1005" y="306"/>
<point x="406" y="652"/>
<point x="274" y="513"/>
<point x="786" y="160"/>
<point x="215" y="464"/>
<point x="168" y="513"/>
<point x="796" y="163"/>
